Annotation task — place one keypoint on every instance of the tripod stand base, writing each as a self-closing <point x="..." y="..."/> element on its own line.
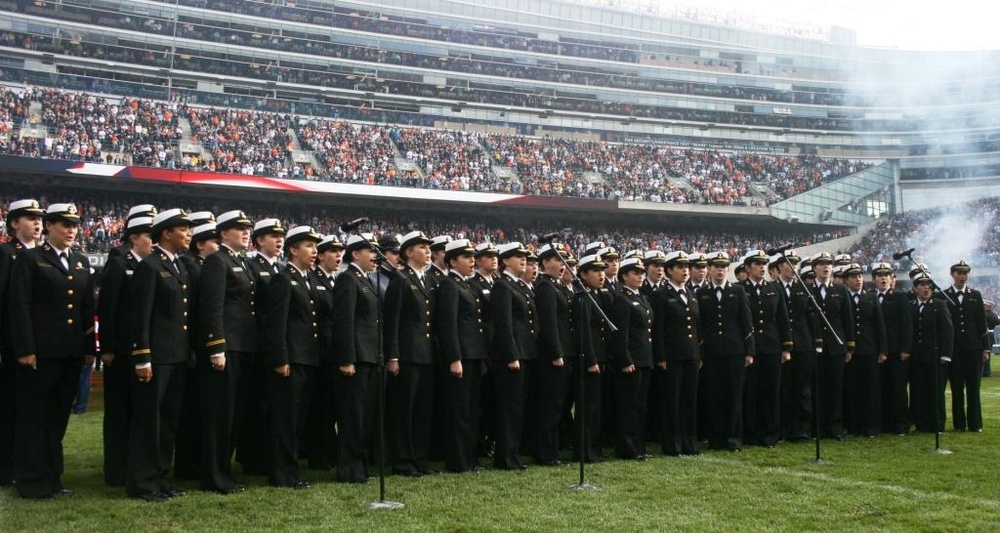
<point x="941" y="451"/>
<point x="377" y="506"/>
<point x="583" y="486"/>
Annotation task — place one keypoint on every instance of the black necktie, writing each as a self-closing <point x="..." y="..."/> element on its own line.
<point x="64" y="259"/>
<point x="920" y="308"/>
<point x="881" y="298"/>
<point x="718" y="293"/>
<point x="857" y="299"/>
<point x="684" y="296"/>
<point x="961" y="295"/>
<point x="822" y="292"/>
<point x="757" y="289"/>
<point x="788" y="291"/>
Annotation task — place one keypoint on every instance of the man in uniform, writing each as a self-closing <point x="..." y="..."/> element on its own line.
<point x="114" y="315"/>
<point x="24" y="224"/>
<point x="387" y="270"/>
<point x="835" y="303"/>
<point x="699" y="272"/>
<point x="51" y="308"/>
<point x="897" y="313"/>
<point x="482" y="282"/>
<point x="972" y="349"/>
<point x="933" y="345"/>
<point x="871" y="350"/>
<point x="797" y="374"/>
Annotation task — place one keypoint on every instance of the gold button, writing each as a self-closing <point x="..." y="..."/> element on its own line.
<point x="184" y="287"/>
<point x="428" y="324"/>
<point x="185" y="313"/>
<point x="69" y="321"/>
<point x="69" y="277"/>
<point x="69" y="306"/>
<point x="314" y="324"/>
<point x="253" y="313"/>
<point x="428" y="335"/>
<point x="315" y="335"/>
<point x="428" y="313"/>
<point x="314" y="313"/>
<point x="310" y="302"/>
<point x="70" y="292"/>
<point x="184" y="327"/>
<point x="185" y="300"/>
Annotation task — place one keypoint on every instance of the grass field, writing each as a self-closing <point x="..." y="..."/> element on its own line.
<point x="889" y="484"/>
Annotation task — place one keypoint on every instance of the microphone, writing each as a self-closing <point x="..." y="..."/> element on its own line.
<point x="549" y="237"/>
<point x="779" y="249"/>
<point x="348" y="227"/>
<point x="905" y="253"/>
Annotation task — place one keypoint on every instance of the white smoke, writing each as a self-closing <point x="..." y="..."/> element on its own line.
<point x="956" y="234"/>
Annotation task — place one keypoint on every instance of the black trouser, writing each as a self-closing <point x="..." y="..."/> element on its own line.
<point x="632" y="392"/>
<point x="288" y="396"/>
<point x="411" y="401"/>
<point x="460" y="424"/>
<point x="156" y="411"/>
<point x="965" y="373"/>
<point x="926" y="400"/>
<point x="8" y="414"/>
<point x="796" y="388"/>
<point x="609" y="424"/>
<point x="487" y="412"/>
<point x="117" y="418"/>
<point x="548" y="389"/>
<point x="187" y="453"/>
<point x="894" y="380"/>
<point x="318" y="430"/>
<point x="831" y="395"/>
<point x="252" y="441"/>
<point x="863" y="395"/>
<point x="357" y="417"/>
<point x="509" y="420"/>
<point x="222" y="417"/>
<point x="587" y="409"/>
<point x="762" y="400"/>
<point x="724" y="409"/>
<point x="44" y="400"/>
<point x="679" y="407"/>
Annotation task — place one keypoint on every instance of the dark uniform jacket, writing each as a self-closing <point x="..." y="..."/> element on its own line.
<point x="969" y="320"/>
<point x="226" y="304"/>
<point x="648" y="288"/>
<point x="515" y="320"/>
<point x="8" y="253"/>
<point x="869" y="326"/>
<point x="192" y="264"/>
<point x="933" y="336"/>
<point x="591" y="330"/>
<point x="484" y="288"/>
<point x="113" y="304"/>
<point x="632" y="344"/>
<point x="409" y="306"/>
<point x="772" y="333"/>
<point x="726" y="326"/>
<point x="355" y="317"/>
<point x="554" y="301"/>
<point x="51" y="307"/>
<point x="675" y="326"/>
<point x="837" y="307"/>
<point x="323" y="293"/>
<point x="458" y="319"/>
<point x="291" y="318"/>
<point x="263" y="272"/>
<point x="897" y="313"/>
<point x="802" y="319"/>
<point x="160" y="298"/>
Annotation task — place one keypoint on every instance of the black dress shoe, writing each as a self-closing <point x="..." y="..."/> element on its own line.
<point x="428" y="472"/>
<point x="174" y="492"/>
<point x="232" y="490"/>
<point x="301" y="485"/>
<point x="157" y="497"/>
<point x="553" y="462"/>
<point x="63" y="492"/>
<point x="839" y="437"/>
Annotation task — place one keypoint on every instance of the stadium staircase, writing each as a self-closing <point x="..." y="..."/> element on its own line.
<point x="684" y="185"/>
<point x="300" y="157"/>
<point x="829" y="204"/>
<point x="185" y="146"/>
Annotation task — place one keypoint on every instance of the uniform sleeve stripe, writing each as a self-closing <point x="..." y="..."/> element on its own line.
<point x="216" y="342"/>
<point x="147" y="351"/>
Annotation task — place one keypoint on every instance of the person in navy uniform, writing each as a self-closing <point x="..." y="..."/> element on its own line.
<point x="773" y="346"/>
<point x="387" y="270"/>
<point x="482" y="280"/>
<point x="933" y="345"/>
<point x="797" y="373"/>
<point x="515" y="345"/>
<point x="654" y="261"/>
<point x="727" y="331"/>
<point x="459" y="327"/>
<point x="187" y="451"/>
<point x="549" y="379"/>
<point x="894" y="375"/>
<point x="677" y="352"/>
<point x="438" y="267"/>
<point x="631" y="358"/>
<point x="24" y="224"/>
<point x="228" y="339"/>
<point x="699" y="272"/>
<point x="409" y="349"/>
<point x="972" y="350"/>
<point x="51" y="308"/>
<point x="592" y="335"/>
<point x="354" y="349"/>
<point x="292" y="352"/>
<point x="158" y="303"/>
<point x="871" y="351"/>
<point x="835" y="304"/>
<point x="114" y="315"/>
<point x="320" y="436"/>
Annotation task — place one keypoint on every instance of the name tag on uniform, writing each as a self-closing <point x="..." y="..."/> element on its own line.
<point x="486" y="291"/>
<point x="128" y="272"/>
<point x="414" y="287"/>
<point x="164" y="274"/>
<point x="321" y="288"/>
<point x="43" y="264"/>
<point x="237" y="269"/>
<point x="635" y="304"/>
<point x="295" y="283"/>
<point x="265" y="273"/>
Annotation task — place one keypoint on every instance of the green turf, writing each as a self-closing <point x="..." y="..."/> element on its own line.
<point x="888" y="484"/>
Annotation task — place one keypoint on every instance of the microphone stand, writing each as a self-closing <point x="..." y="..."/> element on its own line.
<point x="937" y="397"/>
<point x="582" y="371"/>
<point x="818" y="460"/>
<point x="381" y="503"/>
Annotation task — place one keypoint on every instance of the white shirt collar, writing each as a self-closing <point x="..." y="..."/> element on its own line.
<point x="630" y="289"/>
<point x="677" y="288"/>
<point x="169" y="255"/>
<point x="511" y="276"/>
<point x="326" y="272"/>
<point x="457" y="273"/>
<point x="135" y="255"/>
<point x="357" y="266"/>
<point x="58" y="250"/>
<point x="303" y="273"/>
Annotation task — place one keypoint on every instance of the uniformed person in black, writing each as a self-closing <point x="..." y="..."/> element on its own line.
<point x="51" y="309"/>
<point x="631" y="361"/>
<point x="482" y="282"/>
<point x="773" y="345"/>
<point x="187" y="452"/>
<point x="549" y="379"/>
<point x="871" y="351"/>
<point x="972" y="350"/>
<point x="292" y="351"/>
<point x="160" y="295"/>
<point x="438" y="266"/>
<point x="115" y="314"/>
<point x="409" y="349"/>
<point x="699" y="272"/>
<point x="740" y="272"/>
<point x="653" y="260"/>
<point x="726" y="328"/>
<point x="897" y="313"/>
<point x="228" y="340"/>
<point x="515" y="345"/>
<point x="593" y="337"/>
<point x="387" y="270"/>
<point x="459" y="327"/>
<point x="835" y="304"/>
<point x="797" y="374"/>
<point x="933" y="345"/>
<point x="354" y="349"/>
<point x="24" y="224"/>
<point x="677" y="352"/>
